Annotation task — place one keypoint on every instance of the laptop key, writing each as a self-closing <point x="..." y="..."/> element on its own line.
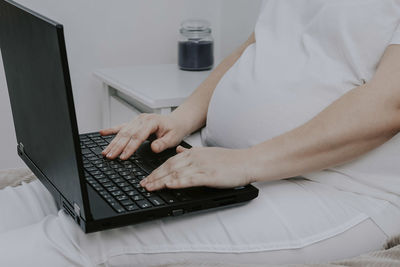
<point x="91" y="169"/>
<point x="132" y="207"/>
<point x="97" y="187"/>
<point x="132" y="193"/>
<point x="137" y="197"/>
<point x="129" y="177"/>
<point x="144" y="204"/>
<point x="103" y="180"/>
<point x="168" y="197"/>
<point x="135" y="184"/>
<point x="127" y="202"/>
<point x="111" y="188"/>
<point x="85" y="151"/>
<point x="95" y="173"/>
<point x="108" y="184"/>
<point x="109" y="173"/>
<point x="156" y="201"/>
<point x="92" y="135"/>
<point x="122" y="184"/>
<point x="148" y="194"/>
<point x="99" y="176"/>
<point x="127" y="188"/>
<point x="114" y="166"/>
<point x="114" y="176"/>
<point x="101" y="165"/>
<point x="116" y="193"/>
<point x="104" y="169"/>
<point x="118" y="180"/>
<point x="122" y="197"/>
<point x="96" y="150"/>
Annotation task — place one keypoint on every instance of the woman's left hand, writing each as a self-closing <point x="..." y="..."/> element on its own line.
<point x="205" y="166"/>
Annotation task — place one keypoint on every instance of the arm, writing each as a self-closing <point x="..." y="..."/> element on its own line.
<point x="356" y="123"/>
<point x="170" y="129"/>
<point x="193" y="112"/>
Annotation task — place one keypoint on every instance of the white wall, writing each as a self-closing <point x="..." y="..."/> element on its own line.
<point x="106" y="33"/>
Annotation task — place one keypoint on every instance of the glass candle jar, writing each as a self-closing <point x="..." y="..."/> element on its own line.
<point x="195" y="46"/>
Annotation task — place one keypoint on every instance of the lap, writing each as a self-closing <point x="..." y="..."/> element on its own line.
<point x="291" y="221"/>
<point x="24" y="205"/>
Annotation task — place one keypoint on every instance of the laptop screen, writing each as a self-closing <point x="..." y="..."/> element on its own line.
<point x="39" y="87"/>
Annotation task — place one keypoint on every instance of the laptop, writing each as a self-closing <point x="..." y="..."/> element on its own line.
<point x="96" y="192"/>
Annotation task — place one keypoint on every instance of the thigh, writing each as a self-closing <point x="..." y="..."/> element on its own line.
<point x="285" y="218"/>
<point x="24" y="205"/>
<point x="361" y="238"/>
<point x="272" y="229"/>
<point x="46" y="243"/>
<point x="43" y="243"/>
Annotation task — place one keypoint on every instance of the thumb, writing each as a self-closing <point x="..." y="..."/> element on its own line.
<point x="180" y="149"/>
<point x="163" y="143"/>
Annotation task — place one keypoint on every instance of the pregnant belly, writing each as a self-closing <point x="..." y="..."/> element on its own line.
<point x="239" y="119"/>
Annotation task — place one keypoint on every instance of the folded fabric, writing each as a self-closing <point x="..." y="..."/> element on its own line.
<point x="14" y="177"/>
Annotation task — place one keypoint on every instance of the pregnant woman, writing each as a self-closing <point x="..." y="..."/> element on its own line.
<point x="308" y="108"/>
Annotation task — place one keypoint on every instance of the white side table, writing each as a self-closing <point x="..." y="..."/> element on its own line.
<point x="129" y="91"/>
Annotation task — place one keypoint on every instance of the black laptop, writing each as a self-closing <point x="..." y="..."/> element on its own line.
<point x="96" y="192"/>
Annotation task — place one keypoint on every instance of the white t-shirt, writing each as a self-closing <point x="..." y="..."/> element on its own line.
<point x="307" y="54"/>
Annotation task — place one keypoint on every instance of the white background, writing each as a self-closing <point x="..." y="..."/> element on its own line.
<point x="107" y="33"/>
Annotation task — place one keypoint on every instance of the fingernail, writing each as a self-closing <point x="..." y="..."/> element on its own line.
<point x="156" y="146"/>
<point x="149" y="186"/>
<point x="109" y="155"/>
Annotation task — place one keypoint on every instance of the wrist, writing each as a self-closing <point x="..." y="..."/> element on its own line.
<point x="250" y="166"/>
<point x="185" y="122"/>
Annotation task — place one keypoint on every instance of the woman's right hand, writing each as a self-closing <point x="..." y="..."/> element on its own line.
<point x="129" y="136"/>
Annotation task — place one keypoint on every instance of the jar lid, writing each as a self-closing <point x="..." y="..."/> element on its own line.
<point x="195" y="26"/>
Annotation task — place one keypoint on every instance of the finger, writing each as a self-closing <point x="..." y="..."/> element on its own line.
<point x="110" y="146"/>
<point x="180" y="149"/>
<point x="135" y="132"/>
<point x="164" y="142"/>
<point x="130" y="148"/>
<point x="137" y="139"/>
<point x="112" y="130"/>
<point x="183" y="179"/>
<point x="118" y="147"/>
<point x="171" y="165"/>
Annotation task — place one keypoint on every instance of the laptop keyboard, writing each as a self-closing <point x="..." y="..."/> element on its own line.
<point x="118" y="181"/>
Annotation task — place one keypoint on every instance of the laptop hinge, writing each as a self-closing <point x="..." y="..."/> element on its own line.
<point x="77" y="209"/>
<point x="20" y="148"/>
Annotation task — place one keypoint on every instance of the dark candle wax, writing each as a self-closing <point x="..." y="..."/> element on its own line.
<point x="195" y="55"/>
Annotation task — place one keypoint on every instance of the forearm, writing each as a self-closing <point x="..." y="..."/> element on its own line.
<point x="193" y="112"/>
<point x="351" y="126"/>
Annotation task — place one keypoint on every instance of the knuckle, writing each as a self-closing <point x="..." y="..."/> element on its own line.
<point x="136" y="136"/>
<point x="150" y="116"/>
<point x="168" y="165"/>
<point x="124" y="133"/>
<point x="175" y="174"/>
<point x="143" y="117"/>
<point x="191" y="180"/>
